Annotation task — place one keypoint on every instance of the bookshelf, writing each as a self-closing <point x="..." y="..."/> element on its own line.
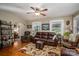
<point x="5" y="34"/>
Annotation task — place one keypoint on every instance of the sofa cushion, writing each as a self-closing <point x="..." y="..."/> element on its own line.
<point x="36" y="38"/>
<point x="38" y="33"/>
<point x="45" y="37"/>
<point x="50" y="37"/>
<point x="49" y="40"/>
<point x="52" y="33"/>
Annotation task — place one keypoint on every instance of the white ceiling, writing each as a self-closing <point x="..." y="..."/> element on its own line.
<point x="54" y="9"/>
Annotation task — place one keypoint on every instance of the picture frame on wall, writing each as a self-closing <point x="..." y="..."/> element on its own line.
<point x="67" y="22"/>
<point x="29" y="26"/>
<point x="45" y="26"/>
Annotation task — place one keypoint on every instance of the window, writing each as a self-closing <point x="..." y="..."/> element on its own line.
<point x="57" y="26"/>
<point x="76" y="24"/>
<point x="36" y="26"/>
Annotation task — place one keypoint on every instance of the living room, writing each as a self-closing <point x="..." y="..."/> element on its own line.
<point x="39" y="29"/>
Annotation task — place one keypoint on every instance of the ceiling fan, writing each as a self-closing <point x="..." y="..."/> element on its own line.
<point x="37" y="11"/>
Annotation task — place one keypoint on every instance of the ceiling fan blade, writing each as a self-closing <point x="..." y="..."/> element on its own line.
<point x="37" y="9"/>
<point x="43" y="14"/>
<point x="44" y="10"/>
<point x="28" y="12"/>
<point x="32" y="8"/>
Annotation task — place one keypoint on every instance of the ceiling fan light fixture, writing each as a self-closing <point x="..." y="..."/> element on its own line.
<point x="37" y="14"/>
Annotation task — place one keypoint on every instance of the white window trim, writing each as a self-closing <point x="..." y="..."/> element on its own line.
<point x="75" y="24"/>
<point x="62" y="27"/>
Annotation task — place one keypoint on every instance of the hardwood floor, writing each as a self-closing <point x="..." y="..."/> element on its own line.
<point x="13" y="50"/>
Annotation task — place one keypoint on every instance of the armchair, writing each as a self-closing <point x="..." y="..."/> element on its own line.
<point x="72" y="42"/>
<point x="26" y="37"/>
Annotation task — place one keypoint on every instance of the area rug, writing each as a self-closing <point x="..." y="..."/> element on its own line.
<point x="46" y="51"/>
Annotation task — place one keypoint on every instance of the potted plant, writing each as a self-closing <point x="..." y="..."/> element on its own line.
<point x="66" y="35"/>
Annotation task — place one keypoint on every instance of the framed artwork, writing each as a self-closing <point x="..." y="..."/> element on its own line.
<point x="29" y="26"/>
<point x="67" y="22"/>
<point x="45" y="26"/>
<point x="36" y="26"/>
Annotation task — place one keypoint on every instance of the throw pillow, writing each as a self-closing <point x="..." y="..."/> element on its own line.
<point x="54" y="37"/>
<point x="72" y="37"/>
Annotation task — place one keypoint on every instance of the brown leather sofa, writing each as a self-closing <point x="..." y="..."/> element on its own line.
<point x="46" y="37"/>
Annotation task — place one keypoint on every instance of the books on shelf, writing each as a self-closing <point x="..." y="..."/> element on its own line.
<point x="5" y="33"/>
<point x="5" y="22"/>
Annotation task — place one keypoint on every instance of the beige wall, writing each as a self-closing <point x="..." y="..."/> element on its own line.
<point x="47" y="20"/>
<point x="15" y="20"/>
